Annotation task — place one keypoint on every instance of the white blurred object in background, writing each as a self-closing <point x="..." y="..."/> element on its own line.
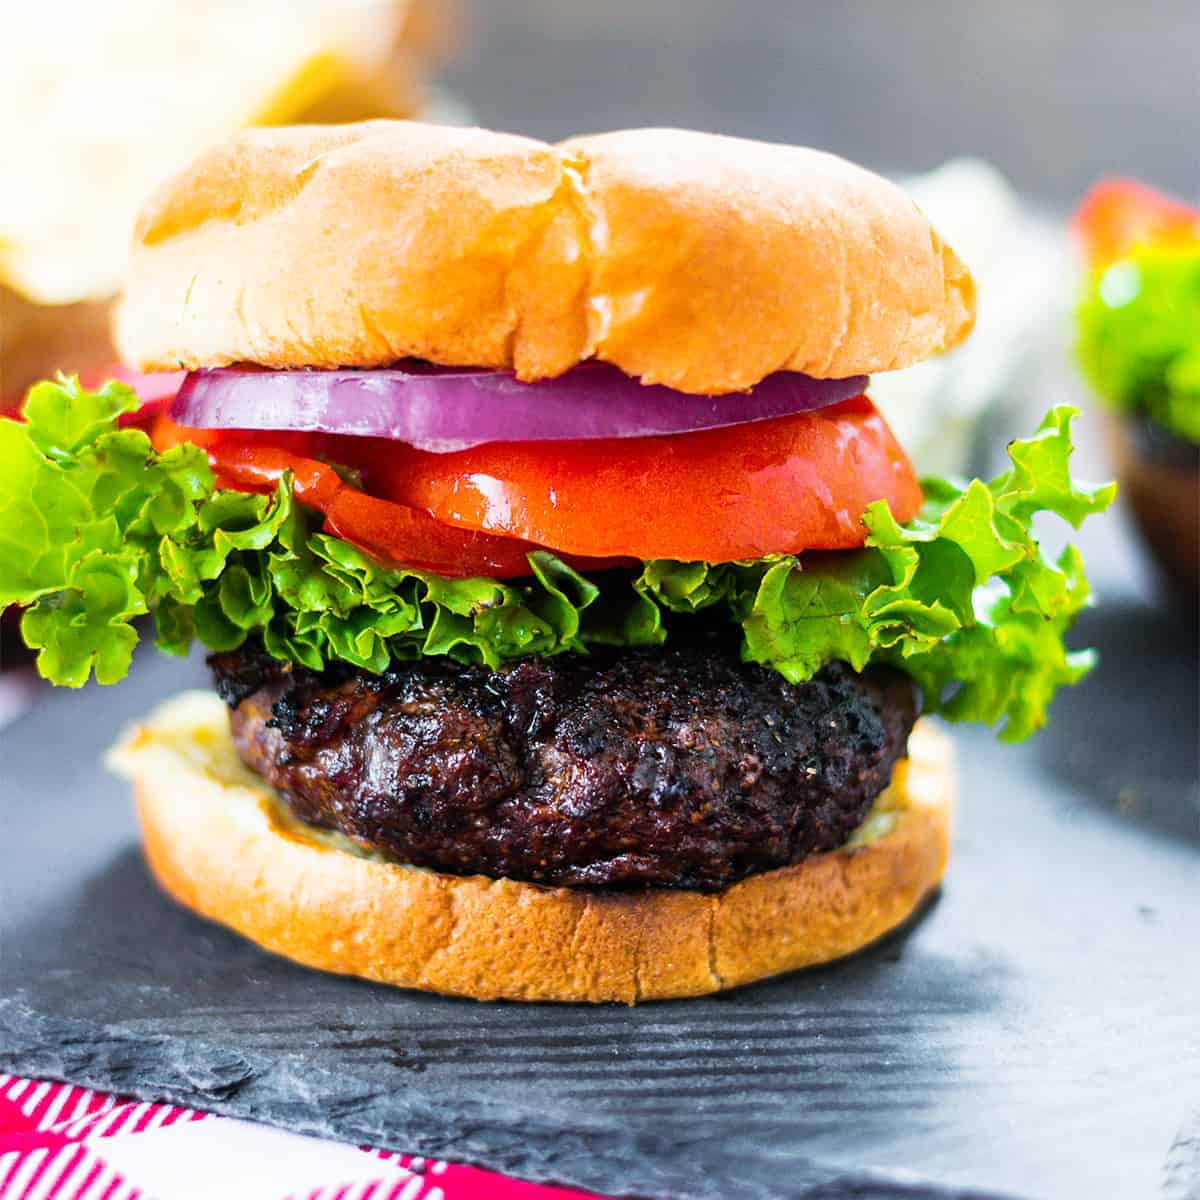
<point x="1019" y="260"/>
<point x="98" y="108"/>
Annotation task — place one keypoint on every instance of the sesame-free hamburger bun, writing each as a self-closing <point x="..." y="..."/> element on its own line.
<point x="693" y="260"/>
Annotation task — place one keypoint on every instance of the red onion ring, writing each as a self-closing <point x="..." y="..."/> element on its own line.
<point x="443" y="409"/>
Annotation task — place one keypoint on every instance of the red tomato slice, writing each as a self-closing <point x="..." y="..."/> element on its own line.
<point x="784" y="485"/>
<point x="393" y="533"/>
<point x="390" y="532"/>
<point x="1118" y="214"/>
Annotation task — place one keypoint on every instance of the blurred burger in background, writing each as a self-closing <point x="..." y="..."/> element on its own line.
<point x="99" y="108"/>
<point x="1139" y="347"/>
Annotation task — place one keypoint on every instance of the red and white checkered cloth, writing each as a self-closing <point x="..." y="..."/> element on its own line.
<point x="59" y="1142"/>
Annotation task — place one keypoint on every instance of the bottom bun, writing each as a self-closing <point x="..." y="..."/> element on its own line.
<point x="220" y="842"/>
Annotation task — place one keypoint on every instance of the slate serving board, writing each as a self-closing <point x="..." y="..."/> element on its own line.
<point x="1033" y="1034"/>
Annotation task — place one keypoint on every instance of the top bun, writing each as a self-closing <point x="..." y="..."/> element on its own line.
<point x="687" y="259"/>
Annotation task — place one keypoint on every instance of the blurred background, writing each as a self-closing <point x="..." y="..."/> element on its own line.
<point x="1053" y="92"/>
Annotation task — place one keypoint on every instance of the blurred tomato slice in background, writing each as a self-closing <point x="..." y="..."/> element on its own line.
<point x="1119" y="214"/>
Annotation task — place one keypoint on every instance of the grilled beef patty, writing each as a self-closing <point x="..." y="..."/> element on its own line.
<point x="677" y="767"/>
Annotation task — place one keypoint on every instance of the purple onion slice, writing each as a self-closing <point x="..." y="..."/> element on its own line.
<point x="445" y="409"/>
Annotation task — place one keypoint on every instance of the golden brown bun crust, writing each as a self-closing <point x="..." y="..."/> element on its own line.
<point x="216" y="843"/>
<point x="698" y="261"/>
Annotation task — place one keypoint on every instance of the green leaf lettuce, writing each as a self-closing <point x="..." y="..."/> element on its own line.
<point x="97" y="528"/>
<point x="1139" y="336"/>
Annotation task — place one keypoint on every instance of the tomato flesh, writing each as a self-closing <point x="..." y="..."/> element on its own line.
<point x="390" y="532"/>
<point x="394" y="534"/>
<point x="778" y="486"/>
<point x="784" y="485"/>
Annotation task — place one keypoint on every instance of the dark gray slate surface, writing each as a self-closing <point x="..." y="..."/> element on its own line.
<point x="1034" y="1034"/>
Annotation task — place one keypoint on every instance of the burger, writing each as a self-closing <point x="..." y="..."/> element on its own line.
<point x="570" y="608"/>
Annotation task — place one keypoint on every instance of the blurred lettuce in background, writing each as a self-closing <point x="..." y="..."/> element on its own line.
<point x="1139" y="336"/>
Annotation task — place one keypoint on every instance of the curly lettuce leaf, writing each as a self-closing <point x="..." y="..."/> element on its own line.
<point x="97" y="529"/>
<point x="961" y="597"/>
<point x="1139" y="336"/>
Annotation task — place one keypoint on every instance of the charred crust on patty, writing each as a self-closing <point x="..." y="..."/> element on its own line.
<point x="679" y="767"/>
